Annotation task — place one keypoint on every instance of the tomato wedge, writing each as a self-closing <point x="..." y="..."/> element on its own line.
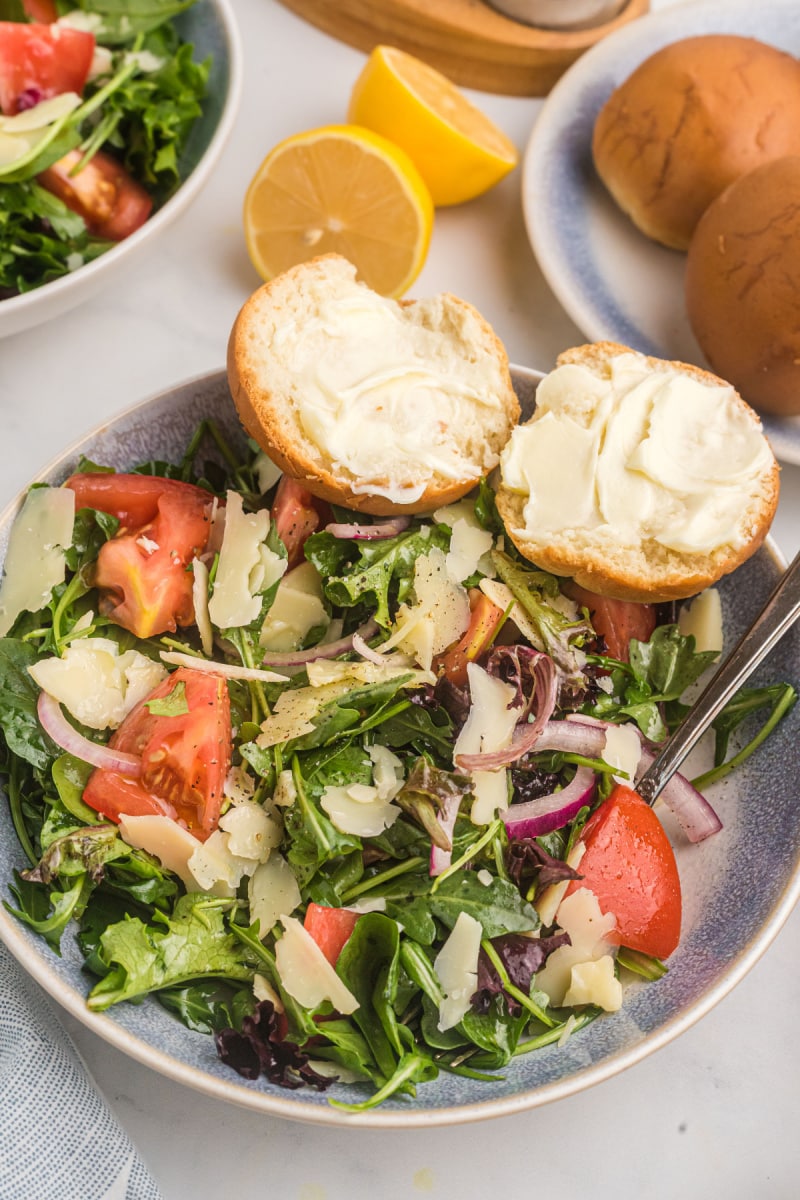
<point x="484" y="619"/>
<point x="185" y="756"/>
<point x="330" y="928"/>
<point x="143" y="573"/>
<point x="112" y="204"/>
<point x="630" y="866"/>
<point x="617" y="621"/>
<point x="40" y="10"/>
<point x="133" y="499"/>
<point x="297" y="514"/>
<point x="38" y="61"/>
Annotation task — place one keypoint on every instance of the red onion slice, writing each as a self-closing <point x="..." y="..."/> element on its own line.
<point x="299" y="658"/>
<point x="546" y="813"/>
<point x="369" y="533"/>
<point x="56" y="726"/>
<point x="380" y="660"/>
<point x="691" y="810"/>
<point x="440" y="859"/>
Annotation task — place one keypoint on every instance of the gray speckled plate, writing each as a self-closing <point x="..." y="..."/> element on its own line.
<point x="615" y="283"/>
<point x="739" y="886"/>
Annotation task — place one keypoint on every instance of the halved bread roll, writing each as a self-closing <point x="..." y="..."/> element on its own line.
<point x="381" y="406"/>
<point x="643" y="479"/>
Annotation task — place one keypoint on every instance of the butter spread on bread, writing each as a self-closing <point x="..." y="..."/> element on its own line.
<point x="644" y="479"/>
<point x="378" y="405"/>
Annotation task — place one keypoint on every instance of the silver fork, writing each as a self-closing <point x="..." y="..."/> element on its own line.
<point x="778" y="614"/>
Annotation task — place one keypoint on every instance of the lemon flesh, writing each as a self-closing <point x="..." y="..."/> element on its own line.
<point x="458" y="150"/>
<point x="340" y="189"/>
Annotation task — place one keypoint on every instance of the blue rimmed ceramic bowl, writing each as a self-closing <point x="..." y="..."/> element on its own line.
<point x="739" y="886"/>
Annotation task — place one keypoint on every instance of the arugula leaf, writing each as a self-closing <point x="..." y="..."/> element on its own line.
<point x="123" y="20"/>
<point x="498" y="906"/>
<point x="383" y="571"/>
<point x="424" y="730"/>
<point x="780" y="698"/>
<point x="40" y="238"/>
<point x="49" y="913"/>
<point x="209" y="1005"/>
<point x="18" y="699"/>
<point x="368" y="965"/>
<point x="658" y="674"/>
<point x="70" y="775"/>
<point x="668" y="662"/>
<point x="313" y="839"/>
<point x="560" y="636"/>
<point x="85" y="850"/>
<point x="192" y="943"/>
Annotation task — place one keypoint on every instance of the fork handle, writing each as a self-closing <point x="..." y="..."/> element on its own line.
<point x="778" y="614"/>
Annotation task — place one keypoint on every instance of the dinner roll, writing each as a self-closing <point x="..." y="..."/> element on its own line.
<point x="643" y="479"/>
<point x="743" y="285"/>
<point x="381" y="406"/>
<point x="692" y="118"/>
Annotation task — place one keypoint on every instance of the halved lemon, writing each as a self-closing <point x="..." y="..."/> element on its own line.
<point x="343" y="189"/>
<point x="457" y="149"/>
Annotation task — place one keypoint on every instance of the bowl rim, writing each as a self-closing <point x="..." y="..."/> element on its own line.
<point x="14" y="309"/>
<point x="295" y="1109"/>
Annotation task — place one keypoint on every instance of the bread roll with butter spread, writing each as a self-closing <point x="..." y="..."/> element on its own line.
<point x="643" y="479"/>
<point x="381" y="406"/>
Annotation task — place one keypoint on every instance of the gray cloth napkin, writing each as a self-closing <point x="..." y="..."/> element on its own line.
<point x="59" y="1139"/>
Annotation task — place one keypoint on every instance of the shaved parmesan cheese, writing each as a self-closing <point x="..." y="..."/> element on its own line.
<point x="202" y="617"/>
<point x="622" y="750"/>
<point x="456" y="966"/>
<point x="439" y="616"/>
<point x="305" y="972"/>
<point x="267" y="473"/>
<point x="229" y="670"/>
<point x="285" y="791"/>
<point x="489" y="726"/>
<point x="503" y="597"/>
<point x="703" y="620"/>
<point x="298" y="608"/>
<point x="35" y="561"/>
<point x="164" y="838"/>
<point x="595" y="983"/>
<point x="96" y="683"/>
<point x="263" y="990"/>
<point x="323" y="671"/>
<point x="387" y="771"/>
<point x="357" y="808"/>
<point x="470" y="543"/>
<point x="247" y="567"/>
<point x="40" y="115"/>
<point x="239" y="785"/>
<point x="216" y="869"/>
<point x="292" y="715"/>
<point x="580" y="916"/>
<point x="294" y="710"/>
<point x="252" y="832"/>
<point x="547" y="904"/>
<point x="272" y="890"/>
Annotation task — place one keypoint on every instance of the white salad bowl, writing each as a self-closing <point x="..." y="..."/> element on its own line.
<point x="739" y="886"/>
<point x="210" y="26"/>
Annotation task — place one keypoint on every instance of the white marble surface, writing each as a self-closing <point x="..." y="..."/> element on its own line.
<point x="704" y="1118"/>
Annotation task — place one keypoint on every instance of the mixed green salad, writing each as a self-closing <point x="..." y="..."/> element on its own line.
<point x="353" y="798"/>
<point x="97" y="100"/>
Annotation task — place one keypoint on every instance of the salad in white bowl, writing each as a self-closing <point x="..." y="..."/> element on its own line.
<point x="111" y="118"/>
<point x="352" y="796"/>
